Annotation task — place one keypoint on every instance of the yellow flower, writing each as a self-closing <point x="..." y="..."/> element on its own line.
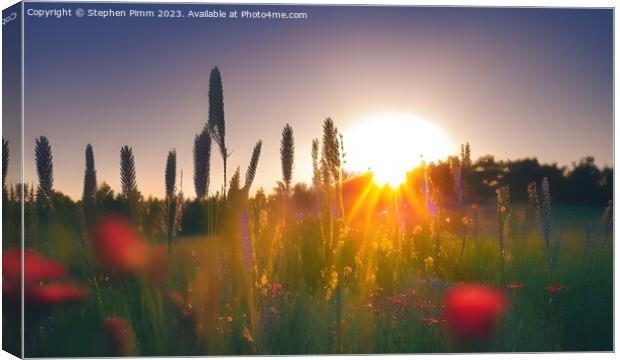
<point x="264" y="281"/>
<point x="428" y="262"/>
<point x="417" y="230"/>
<point x="333" y="279"/>
<point x="347" y="270"/>
<point x="467" y="221"/>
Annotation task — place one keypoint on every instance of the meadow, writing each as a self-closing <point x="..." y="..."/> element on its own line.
<point x="340" y="265"/>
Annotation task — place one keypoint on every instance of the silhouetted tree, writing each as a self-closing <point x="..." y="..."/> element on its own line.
<point x="128" y="172"/>
<point x="202" y="163"/>
<point x="251" y="172"/>
<point x="287" y="155"/>
<point x="216" y="122"/>
<point x="45" y="167"/>
<point x="90" y="178"/>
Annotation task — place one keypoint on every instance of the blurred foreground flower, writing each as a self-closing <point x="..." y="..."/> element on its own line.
<point x="119" y="247"/>
<point x="121" y="339"/>
<point x="472" y="311"/>
<point x="38" y="272"/>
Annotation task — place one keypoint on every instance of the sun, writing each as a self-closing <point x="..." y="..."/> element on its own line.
<point x="391" y="144"/>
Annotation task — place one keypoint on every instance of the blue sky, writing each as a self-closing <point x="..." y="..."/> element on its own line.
<point x="513" y="82"/>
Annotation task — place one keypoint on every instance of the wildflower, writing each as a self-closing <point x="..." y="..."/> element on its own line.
<point x="119" y="247"/>
<point x="347" y="270"/>
<point x="431" y="321"/>
<point x="429" y="262"/>
<point x="36" y="267"/>
<point x="472" y="311"/>
<point x="37" y="272"/>
<point x="425" y="305"/>
<point x="466" y="221"/>
<point x="556" y="289"/>
<point x="264" y="281"/>
<point x="608" y="216"/>
<point x="397" y="302"/>
<point x="333" y="279"/>
<point x="247" y="335"/>
<point x="474" y="206"/>
<point x="229" y="319"/>
<point x="417" y="230"/>
<point x="55" y="294"/>
<point x="515" y="286"/>
<point x="121" y="338"/>
<point x="447" y="220"/>
<point x="247" y="247"/>
<point x="276" y="288"/>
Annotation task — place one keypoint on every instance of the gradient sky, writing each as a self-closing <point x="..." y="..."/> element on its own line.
<point x="513" y="82"/>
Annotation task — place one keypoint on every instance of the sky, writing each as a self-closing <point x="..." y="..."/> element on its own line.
<point x="513" y="83"/>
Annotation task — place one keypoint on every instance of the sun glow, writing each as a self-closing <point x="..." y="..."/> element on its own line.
<point x="391" y="144"/>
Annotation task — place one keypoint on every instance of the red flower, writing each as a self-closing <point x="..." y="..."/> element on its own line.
<point x="425" y="305"/>
<point x="431" y="321"/>
<point x="397" y="302"/>
<point x="121" y="339"/>
<point x="515" y="286"/>
<point x="55" y="294"/>
<point x="37" y="271"/>
<point x="118" y="246"/>
<point x="36" y="268"/>
<point x="472" y="311"/>
<point x="556" y="289"/>
<point x="276" y="288"/>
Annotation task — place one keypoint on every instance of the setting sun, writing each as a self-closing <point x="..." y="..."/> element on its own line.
<point x="391" y="144"/>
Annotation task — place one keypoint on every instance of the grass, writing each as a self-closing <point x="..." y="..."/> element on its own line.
<point x="371" y="291"/>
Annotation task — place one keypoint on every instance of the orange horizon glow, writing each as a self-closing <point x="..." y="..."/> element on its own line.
<point x="389" y="145"/>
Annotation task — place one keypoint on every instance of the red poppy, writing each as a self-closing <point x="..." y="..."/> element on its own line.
<point x="515" y="286"/>
<point x="397" y="302"/>
<point x="556" y="289"/>
<point x="120" y="336"/>
<point x="55" y="294"/>
<point x="118" y="246"/>
<point x="276" y="288"/>
<point x="431" y="321"/>
<point x="472" y="310"/>
<point x="425" y="305"/>
<point x="37" y="271"/>
<point x="36" y="267"/>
